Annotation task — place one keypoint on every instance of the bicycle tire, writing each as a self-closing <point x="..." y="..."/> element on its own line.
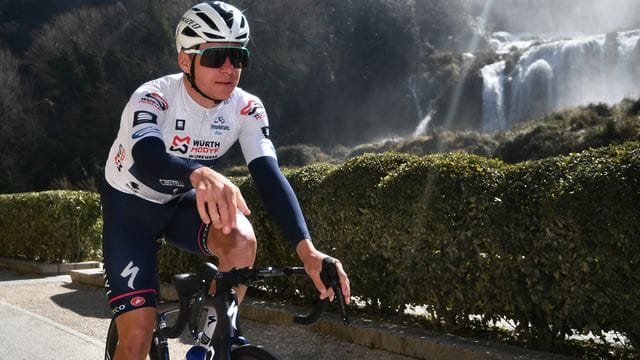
<point x="112" y="340"/>
<point x="251" y="352"/>
<point x="112" y="343"/>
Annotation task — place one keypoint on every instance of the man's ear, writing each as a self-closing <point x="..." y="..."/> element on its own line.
<point x="184" y="61"/>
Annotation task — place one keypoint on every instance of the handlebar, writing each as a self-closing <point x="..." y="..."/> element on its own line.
<point x="193" y="289"/>
<point x="329" y="276"/>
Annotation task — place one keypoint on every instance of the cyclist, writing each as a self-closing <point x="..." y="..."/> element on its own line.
<point x="160" y="181"/>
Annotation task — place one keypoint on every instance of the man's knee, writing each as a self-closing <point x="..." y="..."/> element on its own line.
<point x="241" y="240"/>
<point x="135" y="329"/>
<point x="236" y="242"/>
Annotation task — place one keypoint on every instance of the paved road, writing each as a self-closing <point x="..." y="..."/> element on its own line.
<point x="31" y="336"/>
<point x="53" y="318"/>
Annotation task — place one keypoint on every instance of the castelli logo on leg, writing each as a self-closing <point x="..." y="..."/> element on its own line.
<point x="137" y="301"/>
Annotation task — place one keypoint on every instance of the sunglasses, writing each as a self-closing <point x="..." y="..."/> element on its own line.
<point x="215" y="57"/>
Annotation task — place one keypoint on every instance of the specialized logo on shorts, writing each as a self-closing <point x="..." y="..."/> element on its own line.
<point x="137" y="301"/>
<point x="255" y="109"/>
<point x="120" y="156"/>
<point x="106" y="284"/>
<point x="180" y="144"/>
<point x="130" y="271"/>
<point x="144" y="117"/>
<point x="156" y="100"/>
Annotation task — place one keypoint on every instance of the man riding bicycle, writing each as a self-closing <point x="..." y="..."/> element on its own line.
<point x="160" y="178"/>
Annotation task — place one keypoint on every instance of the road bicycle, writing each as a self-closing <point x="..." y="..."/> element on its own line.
<point x="227" y="341"/>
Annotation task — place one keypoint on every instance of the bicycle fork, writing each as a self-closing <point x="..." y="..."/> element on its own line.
<point x="227" y="332"/>
<point x="160" y="341"/>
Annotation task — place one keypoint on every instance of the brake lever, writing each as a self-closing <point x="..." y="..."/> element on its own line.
<point x="331" y="279"/>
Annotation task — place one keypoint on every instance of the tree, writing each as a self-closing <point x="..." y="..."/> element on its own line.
<point x="20" y="165"/>
<point x="90" y="59"/>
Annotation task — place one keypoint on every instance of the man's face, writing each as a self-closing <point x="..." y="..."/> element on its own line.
<point x="216" y="82"/>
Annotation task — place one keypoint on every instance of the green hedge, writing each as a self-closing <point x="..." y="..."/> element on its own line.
<point x="51" y="226"/>
<point x="552" y="244"/>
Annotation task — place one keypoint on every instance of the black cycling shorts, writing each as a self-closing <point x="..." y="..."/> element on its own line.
<point x="131" y="226"/>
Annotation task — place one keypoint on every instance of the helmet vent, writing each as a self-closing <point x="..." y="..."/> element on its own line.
<point x="209" y="22"/>
<point x="213" y="36"/>
<point x="226" y="15"/>
<point x="187" y="31"/>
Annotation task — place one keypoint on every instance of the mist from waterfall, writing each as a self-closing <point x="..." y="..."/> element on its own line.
<point x="565" y="17"/>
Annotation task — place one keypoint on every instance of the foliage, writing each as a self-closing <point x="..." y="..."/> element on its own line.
<point x="550" y="244"/>
<point x="20" y="163"/>
<point x="300" y="155"/>
<point x="51" y="226"/>
<point x="563" y="132"/>
<point x="572" y="130"/>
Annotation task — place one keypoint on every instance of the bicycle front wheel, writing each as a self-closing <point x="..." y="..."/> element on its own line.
<point x="251" y="352"/>
<point x="112" y="341"/>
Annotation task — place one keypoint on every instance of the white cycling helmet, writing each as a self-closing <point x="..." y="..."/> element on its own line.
<point x="210" y="22"/>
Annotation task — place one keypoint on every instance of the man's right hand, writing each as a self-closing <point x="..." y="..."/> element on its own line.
<point x="217" y="199"/>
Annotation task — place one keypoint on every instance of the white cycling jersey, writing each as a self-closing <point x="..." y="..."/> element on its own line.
<point x="162" y="108"/>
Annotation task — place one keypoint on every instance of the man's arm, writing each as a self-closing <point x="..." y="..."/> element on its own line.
<point x="279" y="199"/>
<point x="154" y="163"/>
<point x="216" y="197"/>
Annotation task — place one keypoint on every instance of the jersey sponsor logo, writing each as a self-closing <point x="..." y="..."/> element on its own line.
<point x="156" y="100"/>
<point x="180" y="144"/>
<point x="196" y="149"/>
<point x="133" y="186"/>
<point x="255" y="109"/>
<point x="265" y="131"/>
<point x="137" y="301"/>
<point x="180" y="124"/>
<point x="171" y="182"/>
<point x="146" y="131"/>
<point x="130" y="271"/>
<point x="120" y="157"/>
<point x="219" y="125"/>
<point x="203" y="149"/>
<point x="144" y="117"/>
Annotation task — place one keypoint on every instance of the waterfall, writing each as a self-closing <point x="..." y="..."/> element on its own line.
<point x="423" y="125"/>
<point x="560" y="74"/>
<point x="412" y="85"/>
<point x="493" y="116"/>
